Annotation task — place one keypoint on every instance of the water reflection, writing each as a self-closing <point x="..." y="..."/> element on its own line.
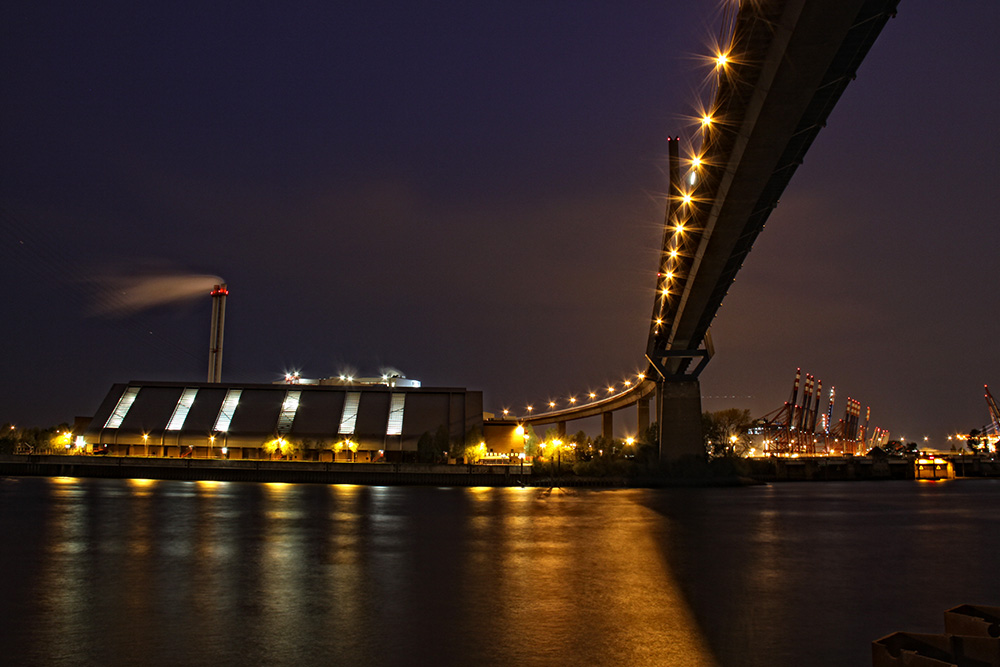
<point x="812" y="573"/>
<point x="117" y="572"/>
<point x="198" y="572"/>
<point x="64" y="598"/>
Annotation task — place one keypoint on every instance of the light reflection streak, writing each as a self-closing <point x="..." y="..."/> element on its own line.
<point x="62" y="588"/>
<point x="344" y="567"/>
<point x="328" y="564"/>
<point x="142" y="487"/>
<point x="528" y="552"/>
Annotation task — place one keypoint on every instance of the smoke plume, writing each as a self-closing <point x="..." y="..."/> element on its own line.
<point x="121" y="295"/>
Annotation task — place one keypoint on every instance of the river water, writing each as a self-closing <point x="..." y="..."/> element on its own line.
<point x="141" y="572"/>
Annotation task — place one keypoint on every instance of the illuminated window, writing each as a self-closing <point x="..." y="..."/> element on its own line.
<point x="124" y="403"/>
<point x="396" y="415"/>
<point x="181" y="410"/>
<point x="350" y="416"/>
<point x="227" y="409"/>
<point x="288" y="409"/>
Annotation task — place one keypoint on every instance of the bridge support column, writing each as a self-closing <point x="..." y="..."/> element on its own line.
<point x="607" y="425"/>
<point x="642" y="417"/>
<point x="678" y="416"/>
<point x="561" y="429"/>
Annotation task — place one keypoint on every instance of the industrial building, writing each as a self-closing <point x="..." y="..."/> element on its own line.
<point x="343" y="422"/>
<point x="343" y="418"/>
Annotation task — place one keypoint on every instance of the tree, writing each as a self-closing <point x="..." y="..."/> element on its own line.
<point x="551" y="436"/>
<point x="280" y="447"/>
<point x="472" y="439"/>
<point x="897" y="448"/>
<point x="604" y="446"/>
<point x="442" y="440"/>
<point x="8" y="439"/>
<point x="973" y="441"/>
<point x="727" y="432"/>
<point x="651" y="436"/>
<point x="425" y="447"/>
<point x="531" y="441"/>
<point x="431" y="448"/>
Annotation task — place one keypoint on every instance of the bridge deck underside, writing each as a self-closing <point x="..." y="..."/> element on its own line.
<point x="791" y="62"/>
<point x="639" y="392"/>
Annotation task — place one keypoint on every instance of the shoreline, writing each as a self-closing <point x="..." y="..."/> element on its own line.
<point x="295" y="472"/>
<point x="462" y="475"/>
<point x="298" y="472"/>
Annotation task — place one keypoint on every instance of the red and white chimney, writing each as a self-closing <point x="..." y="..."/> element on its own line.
<point x="219" y="293"/>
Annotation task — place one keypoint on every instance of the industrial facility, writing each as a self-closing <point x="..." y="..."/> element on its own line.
<point x="343" y="418"/>
<point x="806" y="430"/>
<point x="360" y="423"/>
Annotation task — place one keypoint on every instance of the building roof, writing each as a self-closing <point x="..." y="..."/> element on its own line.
<point x="249" y="414"/>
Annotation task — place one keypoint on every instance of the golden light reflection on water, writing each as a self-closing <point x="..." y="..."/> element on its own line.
<point x="62" y="589"/>
<point x="209" y="485"/>
<point x="277" y="488"/>
<point x="343" y="571"/>
<point x="555" y="558"/>
<point x="112" y="572"/>
<point x="514" y="574"/>
<point x="142" y="487"/>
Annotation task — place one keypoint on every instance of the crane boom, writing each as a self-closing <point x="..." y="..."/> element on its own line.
<point x="994" y="411"/>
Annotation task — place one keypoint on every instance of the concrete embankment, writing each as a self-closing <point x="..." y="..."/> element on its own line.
<point x="845" y="468"/>
<point x="268" y="471"/>
<point x="809" y="469"/>
<point x="760" y="470"/>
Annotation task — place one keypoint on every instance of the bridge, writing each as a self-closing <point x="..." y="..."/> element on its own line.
<point x="779" y="70"/>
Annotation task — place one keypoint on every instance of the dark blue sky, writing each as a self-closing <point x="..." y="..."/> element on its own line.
<point x="469" y="193"/>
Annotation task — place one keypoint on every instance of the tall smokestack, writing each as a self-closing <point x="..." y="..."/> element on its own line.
<point x="219" y="293"/>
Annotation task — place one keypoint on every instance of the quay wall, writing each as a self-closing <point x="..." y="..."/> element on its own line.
<point x="265" y="471"/>
<point x="808" y="469"/>
<point x="845" y="468"/>
<point x="757" y="470"/>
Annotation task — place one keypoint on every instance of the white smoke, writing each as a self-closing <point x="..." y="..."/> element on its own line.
<point x="121" y="295"/>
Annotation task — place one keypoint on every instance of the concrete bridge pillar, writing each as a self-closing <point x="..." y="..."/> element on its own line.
<point x="561" y="430"/>
<point x="607" y="425"/>
<point x="642" y="417"/>
<point x="678" y="413"/>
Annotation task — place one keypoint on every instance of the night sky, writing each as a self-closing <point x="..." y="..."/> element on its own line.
<point x="471" y="193"/>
